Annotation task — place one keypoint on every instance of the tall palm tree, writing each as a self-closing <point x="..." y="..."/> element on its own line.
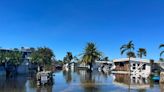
<point x="129" y="47"/>
<point x="131" y="54"/>
<point x="161" y="46"/>
<point x="90" y="54"/>
<point x="68" y="57"/>
<point x="141" y="52"/>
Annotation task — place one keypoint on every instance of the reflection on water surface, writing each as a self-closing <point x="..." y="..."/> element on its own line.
<point x="82" y="81"/>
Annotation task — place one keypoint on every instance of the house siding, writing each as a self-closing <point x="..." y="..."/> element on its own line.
<point x="122" y="66"/>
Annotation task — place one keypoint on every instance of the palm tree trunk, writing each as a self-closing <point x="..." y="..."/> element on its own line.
<point x="129" y="74"/>
<point x="90" y="66"/>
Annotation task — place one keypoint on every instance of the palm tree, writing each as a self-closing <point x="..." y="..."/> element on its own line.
<point x="131" y="54"/>
<point x="161" y="46"/>
<point x="129" y="47"/>
<point x="141" y="52"/>
<point x="68" y="58"/>
<point x="90" y="54"/>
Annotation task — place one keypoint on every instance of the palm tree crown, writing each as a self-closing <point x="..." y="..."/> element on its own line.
<point x="161" y="46"/>
<point x="68" y="57"/>
<point x="141" y="52"/>
<point x="90" y="53"/>
<point x="129" y="47"/>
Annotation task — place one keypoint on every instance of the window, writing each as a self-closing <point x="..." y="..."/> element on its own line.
<point x="121" y="64"/>
<point x="144" y="67"/>
<point x="134" y="66"/>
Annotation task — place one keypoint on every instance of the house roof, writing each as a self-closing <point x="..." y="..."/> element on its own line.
<point x="25" y="50"/>
<point x="132" y="59"/>
<point x="109" y="62"/>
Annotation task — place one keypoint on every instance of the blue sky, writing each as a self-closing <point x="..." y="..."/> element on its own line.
<point x="67" y="25"/>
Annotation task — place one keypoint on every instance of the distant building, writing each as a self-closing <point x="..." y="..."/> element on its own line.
<point x="135" y="66"/>
<point x="23" y="67"/>
<point x="104" y="65"/>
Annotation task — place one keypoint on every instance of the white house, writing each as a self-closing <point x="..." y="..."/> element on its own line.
<point x="135" y="66"/>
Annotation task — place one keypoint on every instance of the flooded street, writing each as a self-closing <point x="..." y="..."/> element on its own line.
<point x="82" y="81"/>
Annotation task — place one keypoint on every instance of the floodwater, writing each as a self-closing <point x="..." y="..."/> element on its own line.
<point x="82" y="81"/>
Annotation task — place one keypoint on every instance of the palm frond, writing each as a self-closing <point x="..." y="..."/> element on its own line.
<point x="123" y="46"/>
<point x="130" y="42"/>
<point x="122" y="52"/>
<point x="162" y="45"/>
<point x="161" y="53"/>
<point x="131" y="54"/>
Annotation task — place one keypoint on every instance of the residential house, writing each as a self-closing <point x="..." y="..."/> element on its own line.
<point x="134" y="66"/>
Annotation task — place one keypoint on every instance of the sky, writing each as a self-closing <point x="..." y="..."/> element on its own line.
<point x="67" y="25"/>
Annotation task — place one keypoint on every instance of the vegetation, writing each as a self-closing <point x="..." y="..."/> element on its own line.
<point x="131" y="54"/>
<point x="42" y="56"/>
<point x="128" y="48"/>
<point x="141" y="52"/>
<point x="90" y="54"/>
<point x="68" y="58"/>
<point x="161" y="59"/>
<point x="10" y="58"/>
<point x="104" y="59"/>
<point x="76" y="59"/>
<point x="161" y="46"/>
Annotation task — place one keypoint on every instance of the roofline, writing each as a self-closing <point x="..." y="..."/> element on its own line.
<point x="103" y="61"/>
<point x="131" y="59"/>
<point x="15" y="50"/>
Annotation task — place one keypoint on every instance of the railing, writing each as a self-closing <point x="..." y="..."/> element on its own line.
<point x="138" y="68"/>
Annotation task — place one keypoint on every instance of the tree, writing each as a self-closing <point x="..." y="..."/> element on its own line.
<point x="31" y="49"/>
<point x="90" y="54"/>
<point x="141" y="52"/>
<point x="75" y="58"/>
<point x="10" y="58"/>
<point x="131" y="54"/>
<point x="161" y="59"/>
<point x="15" y="58"/>
<point x="68" y="58"/>
<point x="105" y="59"/>
<point x="129" y="47"/>
<point x="161" y="46"/>
<point x="42" y="56"/>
